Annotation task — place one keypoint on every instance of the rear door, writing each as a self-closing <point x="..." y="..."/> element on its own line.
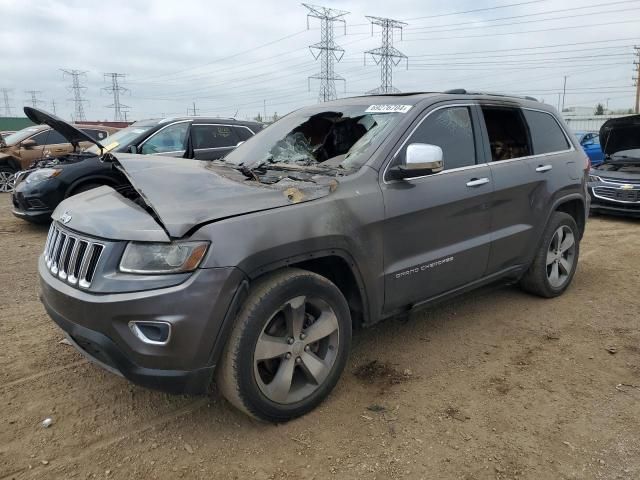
<point x="520" y="144"/>
<point x="213" y="141"/>
<point x="436" y="228"/>
<point x="49" y="143"/>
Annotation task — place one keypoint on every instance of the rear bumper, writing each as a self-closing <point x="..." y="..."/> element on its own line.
<point x="199" y="311"/>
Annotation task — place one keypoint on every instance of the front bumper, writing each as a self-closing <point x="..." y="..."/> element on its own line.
<point x="198" y="309"/>
<point x="36" y="203"/>
<point x="613" y="199"/>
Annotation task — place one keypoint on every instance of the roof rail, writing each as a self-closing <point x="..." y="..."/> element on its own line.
<point x="462" y="91"/>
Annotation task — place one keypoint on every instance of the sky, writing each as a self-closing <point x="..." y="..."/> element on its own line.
<point x="251" y="56"/>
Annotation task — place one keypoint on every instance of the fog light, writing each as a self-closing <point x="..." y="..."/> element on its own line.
<point x="152" y="333"/>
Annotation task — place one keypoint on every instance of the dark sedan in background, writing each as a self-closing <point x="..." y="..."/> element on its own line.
<point x="40" y="190"/>
<point x="614" y="185"/>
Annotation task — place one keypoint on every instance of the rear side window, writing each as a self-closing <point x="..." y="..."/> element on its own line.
<point x="508" y="133"/>
<point x="546" y="134"/>
<point x="243" y="133"/>
<point x="49" y="137"/>
<point x="213" y="136"/>
<point x="450" y="129"/>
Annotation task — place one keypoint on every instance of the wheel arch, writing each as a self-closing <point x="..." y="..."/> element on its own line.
<point x="573" y="205"/>
<point x="10" y="162"/>
<point x="335" y="265"/>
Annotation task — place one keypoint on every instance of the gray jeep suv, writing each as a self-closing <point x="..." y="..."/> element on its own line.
<point x="253" y="271"/>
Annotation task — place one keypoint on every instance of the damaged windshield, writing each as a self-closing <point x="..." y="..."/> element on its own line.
<point x="339" y="138"/>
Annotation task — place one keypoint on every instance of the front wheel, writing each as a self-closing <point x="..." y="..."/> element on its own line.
<point x="555" y="262"/>
<point x="288" y="347"/>
<point x="7" y="179"/>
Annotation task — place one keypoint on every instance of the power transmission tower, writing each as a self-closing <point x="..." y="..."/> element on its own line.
<point x="387" y="56"/>
<point x="637" y="79"/>
<point x="35" y="101"/>
<point x="77" y="90"/>
<point x="116" y="90"/>
<point x="326" y="49"/>
<point x="7" y="100"/>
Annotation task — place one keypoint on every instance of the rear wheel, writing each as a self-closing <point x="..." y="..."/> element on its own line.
<point x="288" y="347"/>
<point x="7" y="178"/>
<point x="555" y="263"/>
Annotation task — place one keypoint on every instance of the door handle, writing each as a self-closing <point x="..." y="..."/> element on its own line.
<point x="476" y="182"/>
<point x="543" y="168"/>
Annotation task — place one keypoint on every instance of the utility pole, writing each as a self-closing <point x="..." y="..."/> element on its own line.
<point x="53" y="106"/>
<point x="326" y="49"/>
<point x="637" y="78"/>
<point x="264" y="108"/>
<point x="193" y="112"/>
<point x="77" y="89"/>
<point x="115" y="89"/>
<point x="7" y="100"/>
<point x="35" y="101"/>
<point x="564" y="92"/>
<point x="387" y="56"/>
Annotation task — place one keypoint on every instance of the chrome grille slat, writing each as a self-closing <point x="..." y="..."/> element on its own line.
<point x="71" y="257"/>
<point x="618" y="194"/>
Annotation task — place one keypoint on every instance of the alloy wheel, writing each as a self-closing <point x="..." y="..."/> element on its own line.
<point x="296" y="350"/>
<point x="561" y="256"/>
<point x="7" y="181"/>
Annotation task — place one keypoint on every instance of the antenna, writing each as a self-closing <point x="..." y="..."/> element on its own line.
<point x="77" y="90"/>
<point x="326" y="49"/>
<point x="116" y="90"/>
<point x="387" y="56"/>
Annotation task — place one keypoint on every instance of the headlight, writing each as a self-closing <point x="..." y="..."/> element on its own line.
<point x="594" y="178"/>
<point x="42" y="174"/>
<point x="155" y="258"/>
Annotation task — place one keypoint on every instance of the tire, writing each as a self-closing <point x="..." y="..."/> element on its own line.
<point x="265" y="327"/>
<point x="552" y="279"/>
<point x="7" y="179"/>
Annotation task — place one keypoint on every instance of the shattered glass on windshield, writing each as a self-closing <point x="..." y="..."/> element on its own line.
<point x="324" y="141"/>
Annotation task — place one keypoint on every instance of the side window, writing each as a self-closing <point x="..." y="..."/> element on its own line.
<point x="49" y="137"/>
<point x="450" y="129"/>
<point x="243" y="133"/>
<point x="546" y="134"/>
<point x="508" y="134"/>
<point x="95" y="134"/>
<point x="170" y="139"/>
<point x="213" y="136"/>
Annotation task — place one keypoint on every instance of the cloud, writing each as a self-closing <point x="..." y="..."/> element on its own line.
<point x="224" y="55"/>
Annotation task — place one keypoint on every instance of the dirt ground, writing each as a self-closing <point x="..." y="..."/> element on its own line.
<point x="494" y="385"/>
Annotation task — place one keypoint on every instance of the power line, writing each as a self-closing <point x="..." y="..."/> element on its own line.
<point x="387" y="56"/>
<point x="476" y="10"/>
<point x="7" y="100"/>
<point x="35" y="101"/>
<point x="326" y="49"/>
<point x="77" y="89"/>
<point x="115" y="89"/>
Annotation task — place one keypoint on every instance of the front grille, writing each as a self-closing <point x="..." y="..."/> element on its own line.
<point x="70" y="257"/>
<point x="617" y="194"/>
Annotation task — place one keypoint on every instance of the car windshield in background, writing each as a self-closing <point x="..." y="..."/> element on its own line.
<point x="122" y="137"/>
<point x="20" y="135"/>
<point x="310" y="137"/>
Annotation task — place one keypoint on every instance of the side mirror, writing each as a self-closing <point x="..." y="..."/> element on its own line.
<point x="133" y="149"/>
<point x="420" y="159"/>
<point x="29" y="143"/>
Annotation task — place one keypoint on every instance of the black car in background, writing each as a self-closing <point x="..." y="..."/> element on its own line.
<point x="38" y="191"/>
<point x="614" y="185"/>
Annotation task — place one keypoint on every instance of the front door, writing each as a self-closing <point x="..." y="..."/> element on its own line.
<point x="437" y="227"/>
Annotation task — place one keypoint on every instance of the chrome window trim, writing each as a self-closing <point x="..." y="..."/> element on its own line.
<point x="157" y="132"/>
<point x="452" y="105"/>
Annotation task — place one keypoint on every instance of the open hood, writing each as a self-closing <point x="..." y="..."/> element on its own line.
<point x="183" y="193"/>
<point x="65" y="129"/>
<point x="617" y="134"/>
